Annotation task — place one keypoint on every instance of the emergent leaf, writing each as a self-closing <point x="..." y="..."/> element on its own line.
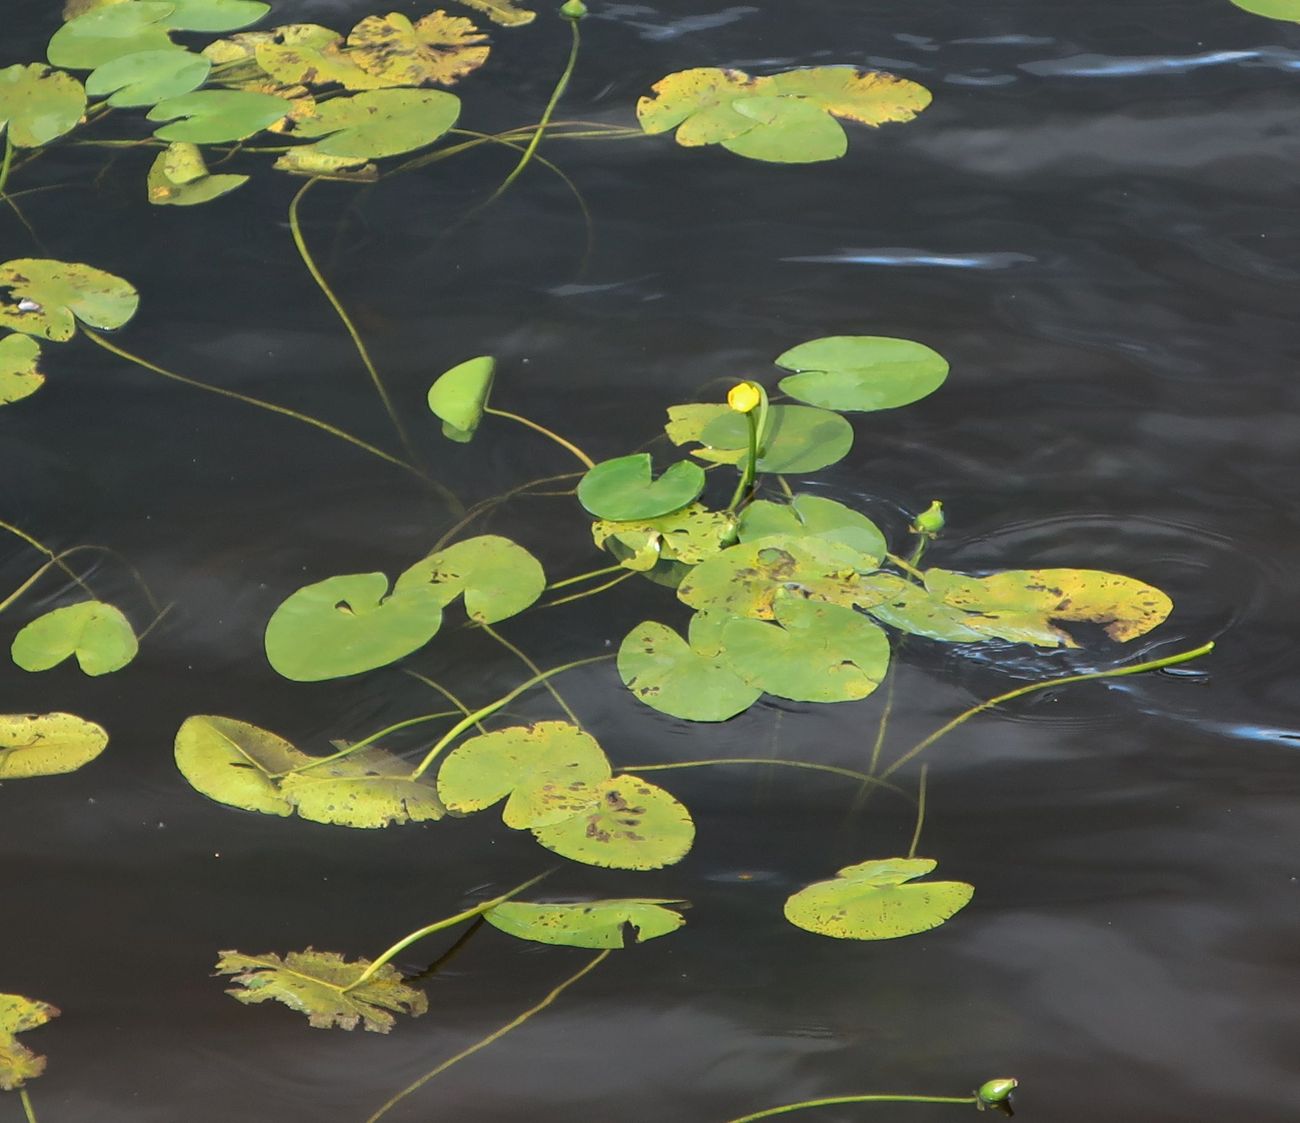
<point x="96" y="633"/>
<point x="671" y="676"/>
<point x="47" y="744"/>
<point x="622" y="489"/>
<point x="18" y="1064"/>
<point x="497" y="577"/>
<point x="459" y="396"/>
<point x="439" y="48"/>
<point x="38" y="105"/>
<point x="862" y="372"/>
<point x="588" y="924"/>
<point x="42" y="297"/>
<point x="20" y="374"/>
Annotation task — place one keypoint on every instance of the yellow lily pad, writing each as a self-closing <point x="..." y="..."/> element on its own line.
<point x="439" y="48"/>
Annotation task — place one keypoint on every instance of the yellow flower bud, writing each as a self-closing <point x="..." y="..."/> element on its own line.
<point x="743" y="397"/>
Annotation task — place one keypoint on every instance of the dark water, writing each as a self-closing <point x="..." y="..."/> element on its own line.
<point x="1095" y="222"/>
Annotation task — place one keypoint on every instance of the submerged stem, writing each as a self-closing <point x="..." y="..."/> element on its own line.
<point x="589" y="592"/>
<point x="920" y="813"/>
<point x="568" y="445"/>
<point x="808" y="765"/>
<point x="55" y="559"/>
<point x="584" y="577"/>
<point x="364" y="743"/>
<point x="485" y="505"/>
<point x="831" y="1101"/>
<point x="527" y="662"/>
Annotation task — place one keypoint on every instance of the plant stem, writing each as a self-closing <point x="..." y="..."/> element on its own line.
<point x="908" y="567"/>
<point x="55" y="559"/>
<point x="492" y="707"/>
<point x="1020" y="692"/>
<point x="493" y="1037"/>
<point x="920" y="813"/>
<point x="364" y="743"/>
<point x="568" y="445"/>
<point x="589" y="592"/>
<point x="484" y="505"/>
<point x="7" y="162"/>
<point x="833" y="1100"/>
<point x="751" y="464"/>
<point x="437" y="926"/>
<point x="435" y="685"/>
<point x="584" y="576"/>
<point x="26" y="1101"/>
<point x="809" y="766"/>
<point x="527" y="662"/>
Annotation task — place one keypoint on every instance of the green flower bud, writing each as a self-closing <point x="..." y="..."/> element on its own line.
<point x="573" y="9"/>
<point x="930" y="521"/>
<point x="995" y="1093"/>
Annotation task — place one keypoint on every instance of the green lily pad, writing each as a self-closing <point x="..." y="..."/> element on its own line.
<point x="630" y="824"/>
<point x="215" y="15"/>
<point x="673" y="677"/>
<point x="547" y="769"/>
<point x="18" y="1064"/>
<point x="862" y="372"/>
<point x="800" y="439"/>
<point x="459" y="396"/>
<point x="910" y="608"/>
<point x="745" y="580"/>
<point x="438" y="48"/>
<point x="504" y="13"/>
<point x="623" y="490"/>
<point x="148" y="77"/>
<point x="367" y="790"/>
<point x="47" y="744"/>
<point x="686" y="423"/>
<point x="42" y="297"/>
<point x="20" y="373"/>
<point x="103" y="34"/>
<point x="74" y="8"/>
<point x="379" y="122"/>
<point x="789" y="131"/>
<point x="236" y="763"/>
<point x="588" y="924"/>
<point x="688" y="536"/>
<point x="98" y="635"/>
<point x="38" y="105"/>
<point x="870" y="901"/>
<point x="306" y="54"/>
<point x="321" y="984"/>
<point x="349" y="624"/>
<point x="1272" y="9"/>
<point x="180" y="178"/>
<point x="214" y="116"/>
<point x="497" y="577"/>
<point x="813" y="653"/>
<point x="817" y="517"/>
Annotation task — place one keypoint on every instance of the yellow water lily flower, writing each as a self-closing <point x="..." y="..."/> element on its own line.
<point x="743" y="397"/>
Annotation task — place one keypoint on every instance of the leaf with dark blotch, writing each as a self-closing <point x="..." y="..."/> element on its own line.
<point x="674" y="677"/>
<point x="110" y="31"/>
<point x="588" y="924"/>
<point x="498" y="578"/>
<point x="44" y="297"/>
<point x="18" y="1064"/>
<point x="688" y="536"/>
<point x="20" y="372"/>
<point x="47" y="744"/>
<point x="505" y="13"/>
<point x="439" y="48"/>
<point x="38" y="105"/>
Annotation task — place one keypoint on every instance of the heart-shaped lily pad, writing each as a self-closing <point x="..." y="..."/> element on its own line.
<point x="98" y="635"/>
<point x="38" y="105"/>
<point x="214" y="116"/>
<point x="20" y="373"/>
<point x="378" y="123"/>
<point x="799" y="439"/>
<point x="587" y="924"/>
<point x="147" y="77"/>
<point x="671" y="676"/>
<point x="103" y="34"/>
<point x="39" y="296"/>
<point x="47" y="744"/>
<point x="623" y="489"/>
<point x="458" y="397"/>
<point x="815" y="516"/>
<point x="497" y="577"/>
<point x="862" y="372"/>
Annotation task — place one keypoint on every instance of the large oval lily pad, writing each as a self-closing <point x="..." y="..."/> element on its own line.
<point x="103" y="34"/>
<point x="47" y="744"/>
<point x="817" y="517"/>
<point x="497" y="577"/>
<point x="862" y="372"/>
<point x="458" y="396"/>
<point x="438" y="48"/>
<point x="871" y="901"/>
<point x="214" y="116"/>
<point x="799" y="438"/>
<point x="20" y="373"/>
<point x="378" y="123"/>
<point x="96" y="633"/>
<point x="18" y="1064"/>
<point x="46" y="297"/>
<point x="148" y="77"/>
<point x="587" y="924"/>
<point x="623" y="489"/>
<point x="38" y="105"/>
<point x="671" y="676"/>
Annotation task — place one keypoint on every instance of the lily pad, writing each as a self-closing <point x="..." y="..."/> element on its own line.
<point x="871" y="901"/>
<point x="862" y="372"/>
<point x="699" y="104"/>
<point x="799" y="439"/>
<point x="813" y="653"/>
<point x="588" y="924"/>
<point x="74" y="8"/>
<point x="39" y="296"/>
<point x="439" y="48"/>
<point x="631" y="824"/>
<point x="366" y="790"/>
<point x="458" y="397"/>
<point x="236" y="763"/>
<point x="547" y="769"/>
<point x="308" y="162"/>
<point x="306" y="54"/>
<point x="105" y="33"/>
<point x="38" y="105"/>
<point x="868" y="97"/>
<point x="686" y="423"/>
<point x="148" y="77"/>
<point x="18" y="1064"/>
<point x="379" y="122"/>
<point x="47" y="744"/>
<point x="505" y="13"/>
<point x="215" y="15"/>
<point x="817" y="517"/>
<point x="349" y="624"/>
<point x="688" y="536"/>
<point x="98" y="635"/>
<point x="790" y="131"/>
<point x="320" y="985"/>
<point x="673" y="677"/>
<point x="498" y="578"/>
<point x="180" y="178"/>
<point x="910" y="608"/>
<point x="1272" y="9"/>
<point x="214" y="116"/>
<point x="20" y="373"/>
<point x="622" y="489"/>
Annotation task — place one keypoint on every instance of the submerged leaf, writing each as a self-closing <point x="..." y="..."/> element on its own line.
<point x="459" y="396"/>
<point x="20" y="373"/>
<point x="98" y="635"/>
<point x="498" y="578"/>
<point x="631" y="824"/>
<point x="39" y="296"/>
<point x="862" y="372"/>
<point x="688" y="536"/>
<point x="38" y="105"/>
<point x="180" y="178"/>
<point x="213" y="116"/>
<point x="588" y="924"/>
<point x="547" y="769"/>
<point x="316" y="983"/>
<point x="673" y="677"/>
<point x="505" y="13"/>
<point x="111" y="31"/>
<point x="870" y="901"/>
<point x="18" y="1064"/>
<point x="148" y="77"/>
<point x="439" y="48"/>
<point x="47" y="744"/>
<point x="799" y="439"/>
<point x="817" y="517"/>
<point x="622" y="489"/>
<point x="378" y="123"/>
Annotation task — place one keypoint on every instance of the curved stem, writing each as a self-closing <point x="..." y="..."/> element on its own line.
<point x="1020" y="692"/>
<point x="569" y="445"/>
<point x="364" y="743"/>
<point x="55" y="559"/>
<point x="751" y="465"/>
<point x="295" y="228"/>
<point x="908" y="567"/>
<point x="485" y="505"/>
<point x="807" y="765"/>
<point x="433" y="684"/>
<point x="584" y="577"/>
<point x="920" y="813"/>
<point x="493" y="1037"/>
<point x="831" y="1101"/>
<point x="527" y="662"/>
<point x="589" y="592"/>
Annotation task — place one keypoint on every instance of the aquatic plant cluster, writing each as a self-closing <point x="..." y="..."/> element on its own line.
<point x="794" y="595"/>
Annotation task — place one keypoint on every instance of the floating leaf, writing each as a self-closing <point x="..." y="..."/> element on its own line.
<point x="589" y="924"/>
<point x="74" y="8"/>
<point x="862" y="372"/>
<point x="348" y="624"/>
<point x="813" y="653"/>
<point x="869" y="901"/>
<point x="439" y="48"/>
<point x="42" y="297"/>
<point x="745" y="580"/>
<point x="547" y="769"/>
<point x="686" y="424"/>
<point x="673" y="677"/>
<point x="790" y="131"/>
<point x="47" y="744"/>
<point x="148" y="77"/>
<point x="631" y="824"/>
<point x="316" y="983"/>
<point x="368" y="789"/>
<point x="180" y="178"/>
<point x="866" y="96"/>
<point x="1024" y="602"/>
<point x="213" y="116"/>
<point x="799" y="439"/>
<point x="306" y="54"/>
<point x="96" y="633"/>
<point x="38" y="105"/>
<point x="215" y="15"/>
<point x="20" y="374"/>
<point x="689" y="536"/>
<point x="497" y="577"/>
<point x="459" y="396"/>
<point x="1272" y="9"/>
<point x="622" y="489"/>
<point x="236" y="763"/>
<point x="379" y="122"/>
<point x="506" y="13"/>
<point x="699" y="103"/>
<point x="817" y="517"/>
<point x="18" y="1064"/>
<point x="105" y="33"/>
<point x="910" y="608"/>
